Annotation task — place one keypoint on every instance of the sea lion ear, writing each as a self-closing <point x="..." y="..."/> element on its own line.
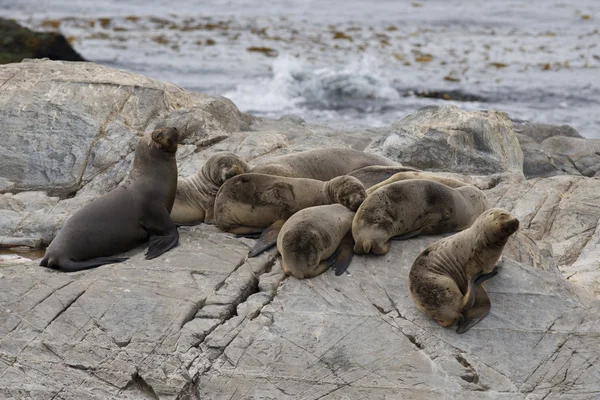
<point x="282" y="192"/>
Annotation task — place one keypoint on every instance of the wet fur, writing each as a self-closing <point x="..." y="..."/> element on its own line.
<point x="126" y="216"/>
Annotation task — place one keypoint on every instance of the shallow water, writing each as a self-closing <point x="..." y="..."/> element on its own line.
<point x="352" y="64"/>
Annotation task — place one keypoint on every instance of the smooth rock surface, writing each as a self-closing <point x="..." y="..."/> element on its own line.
<point x="205" y="322"/>
<point x="446" y="138"/>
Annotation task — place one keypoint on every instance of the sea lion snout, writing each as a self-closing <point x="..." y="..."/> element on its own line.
<point x="230" y="172"/>
<point x="511" y="226"/>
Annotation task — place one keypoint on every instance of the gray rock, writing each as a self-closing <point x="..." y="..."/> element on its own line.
<point x="204" y="321"/>
<point x="551" y="150"/>
<point x="66" y="123"/>
<point x="540" y="132"/>
<point x="582" y="154"/>
<point x="449" y="139"/>
<point x="562" y="212"/>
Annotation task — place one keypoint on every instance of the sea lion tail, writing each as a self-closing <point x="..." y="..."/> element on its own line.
<point x="366" y="246"/>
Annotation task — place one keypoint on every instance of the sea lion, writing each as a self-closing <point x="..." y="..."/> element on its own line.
<point x="195" y="197"/>
<point x="445" y="281"/>
<point x="128" y="215"/>
<point x="401" y="176"/>
<point x="321" y="164"/>
<point x="315" y="239"/>
<point x="413" y="207"/>
<point x="196" y="193"/>
<point x="249" y="203"/>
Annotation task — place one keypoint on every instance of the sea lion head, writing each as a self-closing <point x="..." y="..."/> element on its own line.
<point x="498" y="225"/>
<point x="299" y="251"/>
<point x="166" y="139"/>
<point x="222" y="166"/>
<point x="347" y="190"/>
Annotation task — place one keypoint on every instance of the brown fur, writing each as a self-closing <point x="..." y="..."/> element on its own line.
<point x="251" y="202"/>
<point x="195" y="198"/>
<point x="196" y="193"/>
<point x="311" y="236"/>
<point x="439" y="277"/>
<point x="401" y="176"/>
<point x="414" y="206"/>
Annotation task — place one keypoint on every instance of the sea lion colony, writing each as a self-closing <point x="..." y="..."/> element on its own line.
<point x="290" y="202"/>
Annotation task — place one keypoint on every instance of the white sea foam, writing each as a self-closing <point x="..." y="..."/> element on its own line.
<point x="296" y="85"/>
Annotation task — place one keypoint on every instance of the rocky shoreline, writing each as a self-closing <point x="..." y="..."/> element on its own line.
<point x="204" y="321"/>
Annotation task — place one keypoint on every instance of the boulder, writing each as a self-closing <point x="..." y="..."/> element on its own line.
<point x="551" y="150"/>
<point x="539" y="132"/>
<point x="446" y="138"/>
<point x="205" y="321"/>
<point x="19" y="43"/>
<point x="582" y="154"/>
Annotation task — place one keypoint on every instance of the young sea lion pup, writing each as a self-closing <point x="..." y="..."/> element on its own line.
<point x="126" y="216"/>
<point x="445" y="281"/>
<point x="250" y="203"/>
<point x="405" y="209"/>
<point x="196" y="193"/>
<point x="195" y="197"/>
<point x="315" y="239"/>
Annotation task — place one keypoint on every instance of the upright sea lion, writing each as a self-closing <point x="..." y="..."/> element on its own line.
<point x="126" y="216"/>
<point x="445" y="281"/>
<point x="315" y="239"/>
<point x="196" y="193"/>
<point x="413" y="207"/>
<point x="402" y="176"/>
<point x="195" y="198"/>
<point x="251" y="202"/>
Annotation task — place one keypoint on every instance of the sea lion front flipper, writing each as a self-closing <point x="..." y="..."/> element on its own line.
<point x="163" y="233"/>
<point x="72" y="266"/>
<point x="480" y="309"/>
<point x="268" y="238"/>
<point x="342" y="255"/>
<point x="481" y="277"/>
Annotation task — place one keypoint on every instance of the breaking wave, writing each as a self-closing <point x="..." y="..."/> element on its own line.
<point x="294" y="87"/>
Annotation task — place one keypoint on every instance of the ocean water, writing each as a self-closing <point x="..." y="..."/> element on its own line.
<point x="350" y="64"/>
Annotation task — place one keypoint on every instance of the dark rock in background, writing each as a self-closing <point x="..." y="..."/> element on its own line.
<point x="18" y="43"/>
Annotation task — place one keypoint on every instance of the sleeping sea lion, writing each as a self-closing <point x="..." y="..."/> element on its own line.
<point x="195" y="197"/>
<point x="402" y="176"/>
<point x="128" y="215"/>
<point x="445" y="281"/>
<point x="196" y="193"/>
<point x="249" y="203"/>
<point x="413" y="207"/>
<point x="315" y="239"/>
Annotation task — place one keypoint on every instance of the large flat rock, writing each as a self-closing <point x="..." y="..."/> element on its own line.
<point x="204" y="321"/>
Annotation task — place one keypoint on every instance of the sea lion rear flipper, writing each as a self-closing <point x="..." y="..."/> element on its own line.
<point x="72" y="266"/>
<point x="341" y="258"/>
<point x="268" y="238"/>
<point x="250" y="235"/>
<point x="163" y="233"/>
<point x="375" y="174"/>
<point x="480" y="309"/>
